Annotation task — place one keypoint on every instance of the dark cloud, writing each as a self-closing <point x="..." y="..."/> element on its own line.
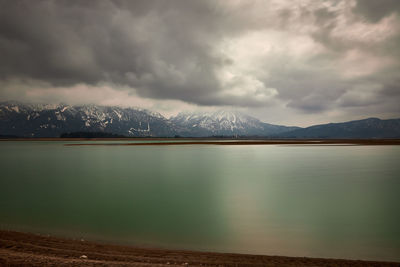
<point x="154" y="46"/>
<point x="376" y="10"/>
<point x="314" y="56"/>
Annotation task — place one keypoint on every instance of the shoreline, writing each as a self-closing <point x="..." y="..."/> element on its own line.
<point x="213" y="141"/>
<point x="251" y="142"/>
<point x="18" y="248"/>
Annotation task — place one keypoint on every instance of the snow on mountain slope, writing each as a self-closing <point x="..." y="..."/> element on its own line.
<point x="52" y="120"/>
<point x="224" y="123"/>
<point x="36" y="120"/>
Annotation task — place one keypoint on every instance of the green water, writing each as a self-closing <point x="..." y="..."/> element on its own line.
<point x="319" y="201"/>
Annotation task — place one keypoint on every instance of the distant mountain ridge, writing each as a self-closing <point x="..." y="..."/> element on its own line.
<point x="366" y="128"/>
<point x="36" y="120"/>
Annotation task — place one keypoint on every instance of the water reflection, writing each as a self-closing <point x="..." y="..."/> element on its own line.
<point x="280" y="200"/>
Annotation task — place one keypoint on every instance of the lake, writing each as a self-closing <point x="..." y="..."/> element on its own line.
<point x="292" y="200"/>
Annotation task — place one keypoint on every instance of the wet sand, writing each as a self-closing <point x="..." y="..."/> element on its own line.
<point x="24" y="249"/>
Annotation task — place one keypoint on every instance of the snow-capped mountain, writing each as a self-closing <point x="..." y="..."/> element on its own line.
<point x="30" y="120"/>
<point x="227" y="123"/>
<point x="36" y="120"/>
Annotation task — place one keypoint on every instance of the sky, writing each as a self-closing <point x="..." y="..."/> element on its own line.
<point x="294" y="62"/>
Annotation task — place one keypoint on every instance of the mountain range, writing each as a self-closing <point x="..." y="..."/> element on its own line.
<point x="366" y="128"/>
<point x="224" y="123"/>
<point x="39" y="120"/>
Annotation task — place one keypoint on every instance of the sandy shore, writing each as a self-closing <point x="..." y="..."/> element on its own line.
<point x="23" y="249"/>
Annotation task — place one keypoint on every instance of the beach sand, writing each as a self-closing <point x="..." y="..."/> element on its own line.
<point x="24" y="249"/>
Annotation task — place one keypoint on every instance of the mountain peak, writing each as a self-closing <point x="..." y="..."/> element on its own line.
<point x="223" y="122"/>
<point x="52" y="120"/>
<point x="38" y="120"/>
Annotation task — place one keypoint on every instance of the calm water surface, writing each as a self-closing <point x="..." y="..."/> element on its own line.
<point x="319" y="201"/>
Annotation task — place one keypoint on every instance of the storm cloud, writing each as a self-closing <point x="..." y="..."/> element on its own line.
<point x="319" y="58"/>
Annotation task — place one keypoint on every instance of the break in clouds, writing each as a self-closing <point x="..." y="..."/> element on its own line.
<point x="283" y="61"/>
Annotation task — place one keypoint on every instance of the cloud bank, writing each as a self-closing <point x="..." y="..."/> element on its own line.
<point x="279" y="60"/>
